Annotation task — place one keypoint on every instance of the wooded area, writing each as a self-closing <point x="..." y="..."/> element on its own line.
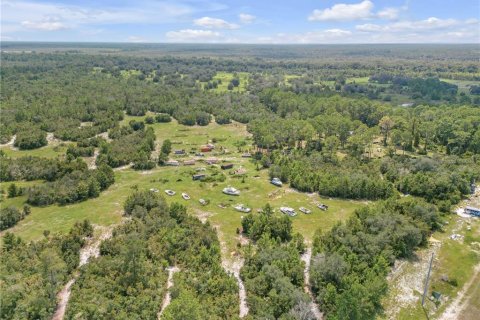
<point x="381" y="125"/>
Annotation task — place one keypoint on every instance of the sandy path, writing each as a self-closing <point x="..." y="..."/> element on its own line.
<point x="91" y="249"/>
<point x="233" y="267"/>
<point x="127" y="166"/>
<point x="10" y="143"/>
<point x="104" y="135"/>
<point x="63" y="297"/>
<point x="461" y="301"/>
<point x="232" y="264"/>
<point x="92" y="161"/>
<point x="307" y="258"/>
<point x="168" y="298"/>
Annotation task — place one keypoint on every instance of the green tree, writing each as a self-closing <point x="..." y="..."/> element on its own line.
<point x="166" y="147"/>
<point x="184" y="307"/>
<point x="12" y="190"/>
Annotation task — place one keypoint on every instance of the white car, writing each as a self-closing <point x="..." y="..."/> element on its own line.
<point x="242" y="208"/>
<point x="287" y="210"/>
<point x="276" y="182"/>
<point x="323" y="207"/>
<point x="231" y="191"/>
<point x="305" y="210"/>
<point x="170" y="192"/>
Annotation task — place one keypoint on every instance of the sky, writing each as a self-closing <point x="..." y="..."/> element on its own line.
<point x="242" y="21"/>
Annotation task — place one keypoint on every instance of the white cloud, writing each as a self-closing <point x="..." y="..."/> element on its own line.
<point x="389" y="13"/>
<point x="75" y="15"/>
<point x="193" y="35"/>
<point x="214" y="23"/>
<point x="369" y="27"/>
<point x="431" y="30"/>
<point x="429" y="24"/>
<point x="46" y="25"/>
<point x="246" y="18"/>
<point x="472" y="21"/>
<point x="319" y="36"/>
<point x="344" y="12"/>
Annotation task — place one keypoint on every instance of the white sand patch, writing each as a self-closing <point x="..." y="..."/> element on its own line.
<point x="307" y="258"/>
<point x="10" y="143"/>
<point x="168" y="298"/>
<point x="91" y="249"/>
<point x="232" y="263"/>
<point x="125" y="167"/>
<point x="408" y="279"/>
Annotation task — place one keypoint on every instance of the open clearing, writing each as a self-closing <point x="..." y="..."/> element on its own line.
<point x="406" y="282"/>
<point x="255" y="189"/>
<point x="226" y="77"/>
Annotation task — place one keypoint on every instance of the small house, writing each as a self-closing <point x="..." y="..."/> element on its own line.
<point x="226" y="166"/>
<point x="472" y="211"/>
<point x="211" y="146"/>
<point x="189" y="162"/>
<point x="211" y="160"/>
<point x="179" y="152"/>
<point x="199" y="176"/>
<point x="206" y="149"/>
<point x="172" y="163"/>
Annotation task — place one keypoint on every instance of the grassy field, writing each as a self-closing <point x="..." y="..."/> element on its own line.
<point x="226" y="77"/>
<point x="472" y="309"/>
<point x="358" y="80"/>
<point x="130" y="73"/>
<point x="463" y="85"/>
<point x="50" y="151"/>
<point x="255" y="188"/>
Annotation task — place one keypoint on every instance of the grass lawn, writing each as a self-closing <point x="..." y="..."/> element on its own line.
<point x="50" y="151"/>
<point x="226" y="77"/>
<point x="288" y="77"/>
<point x="473" y="307"/>
<point x="463" y="85"/>
<point x="255" y="188"/>
<point x="130" y="73"/>
<point x="358" y="80"/>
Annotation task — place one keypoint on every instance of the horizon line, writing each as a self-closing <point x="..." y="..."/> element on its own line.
<point x="244" y="43"/>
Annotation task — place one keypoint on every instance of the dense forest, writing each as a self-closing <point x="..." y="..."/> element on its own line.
<point x="352" y="260"/>
<point x="385" y="125"/>
<point x="33" y="273"/>
<point x="128" y="281"/>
